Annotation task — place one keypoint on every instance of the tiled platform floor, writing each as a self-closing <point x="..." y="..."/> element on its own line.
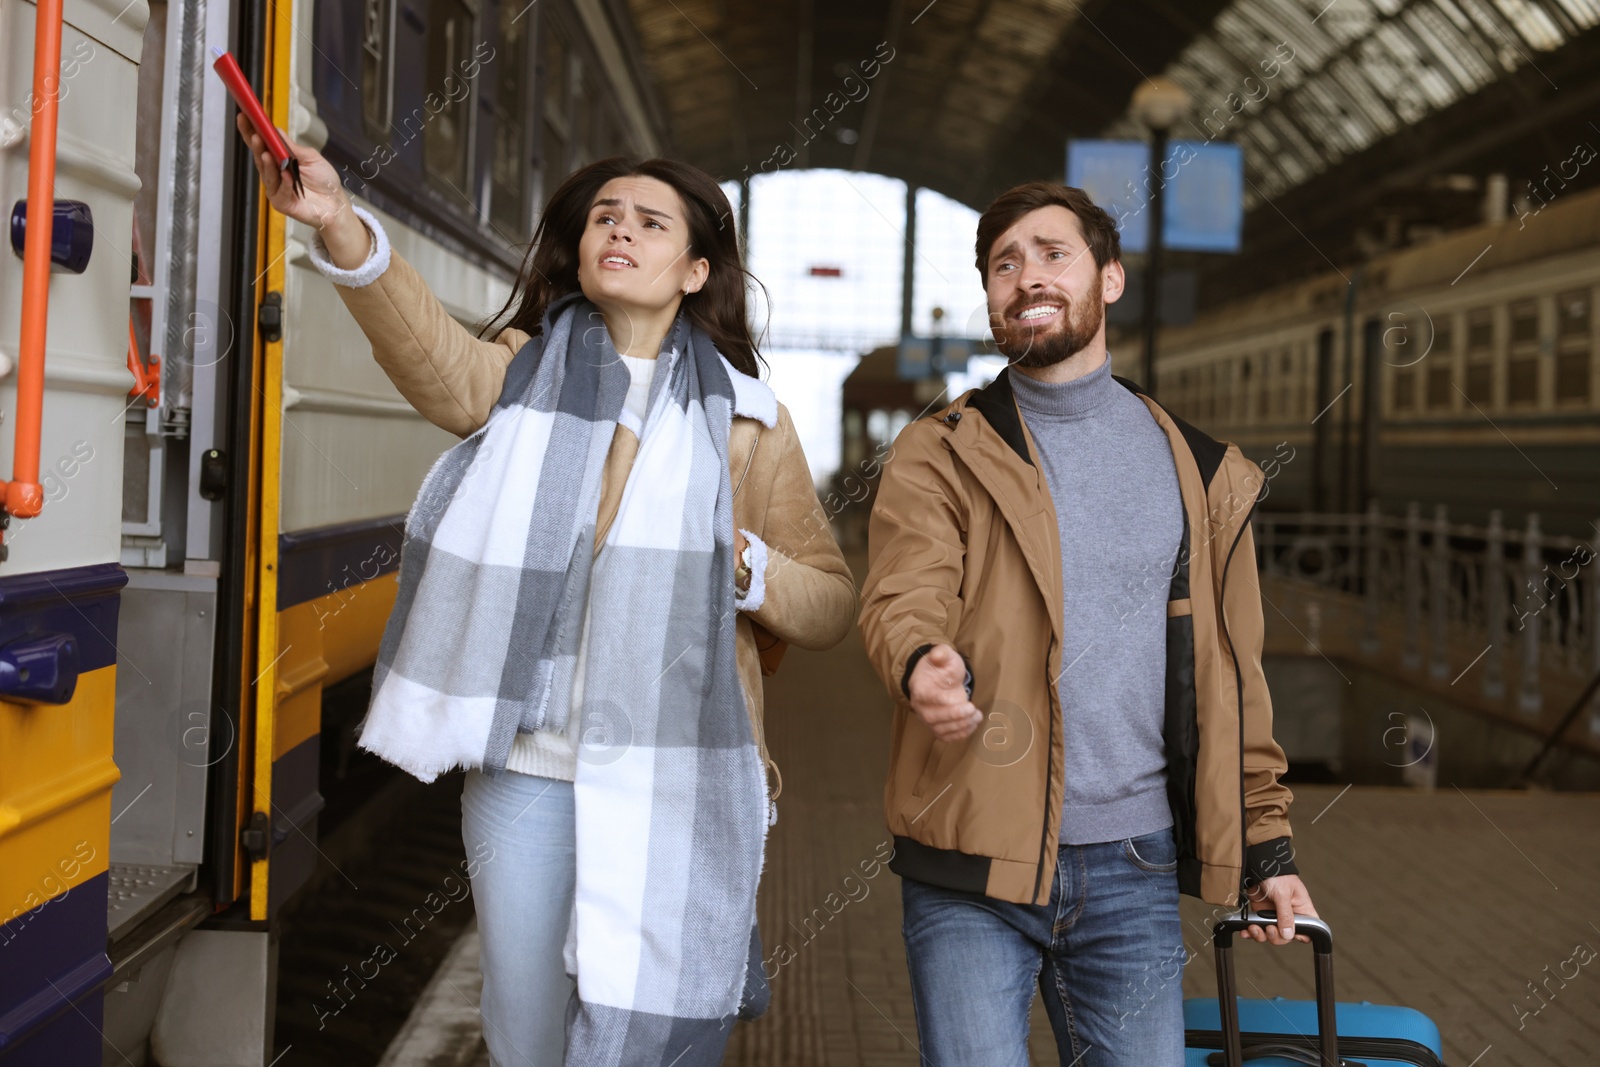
<point x="1452" y="902"/>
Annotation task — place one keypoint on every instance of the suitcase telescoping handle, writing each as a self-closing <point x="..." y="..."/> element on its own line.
<point x="1227" y="992"/>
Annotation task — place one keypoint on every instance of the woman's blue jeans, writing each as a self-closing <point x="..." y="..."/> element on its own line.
<point x="523" y="897"/>
<point x="1106" y="953"/>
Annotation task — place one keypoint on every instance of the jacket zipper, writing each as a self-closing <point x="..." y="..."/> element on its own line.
<point x="951" y="421"/>
<point x="1044" y="829"/>
<point x="1238" y="689"/>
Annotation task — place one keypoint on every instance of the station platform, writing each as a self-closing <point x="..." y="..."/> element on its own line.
<point x="1461" y="903"/>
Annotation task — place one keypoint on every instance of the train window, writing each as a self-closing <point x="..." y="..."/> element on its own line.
<point x="1405" y="388"/>
<point x="1522" y="360"/>
<point x="1524" y="322"/>
<point x="1572" y="347"/>
<point x="1572" y="314"/>
<point x="1480" y="386"/>
<point x="554" y="52"/>
<point x="1304" y="405"/>
<point x="1439" y="391"/>
<point x="553" y="151"/>
<point x="447" y="139"/>
<point x="1441" y="361"/>
<point x="586" y="121"/>
<point x="613" y="142"/>
<point x="1242" y="399"/>
<point x="415" y="95"/>
<point x="376" y="66"/>
<point x="508" y="188"/>
<point x="1480" y="356"/>
<point x="1444" y="340"/>
<point x="1480" y="330"/>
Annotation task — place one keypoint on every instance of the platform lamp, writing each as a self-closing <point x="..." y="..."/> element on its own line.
<point x="1158" y="103"/>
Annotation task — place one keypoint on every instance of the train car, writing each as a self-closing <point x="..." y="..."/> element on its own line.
<point x="209" y="474"/>
<point x="1457" y="372"/>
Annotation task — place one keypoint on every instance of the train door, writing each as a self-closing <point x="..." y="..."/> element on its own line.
<point x="214" y="1002"/>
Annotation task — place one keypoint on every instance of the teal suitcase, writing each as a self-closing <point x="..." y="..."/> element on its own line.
<point x="1225" y="1031"/>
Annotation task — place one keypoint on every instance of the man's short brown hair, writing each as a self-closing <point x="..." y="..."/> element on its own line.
<point x="1099" y="228"/>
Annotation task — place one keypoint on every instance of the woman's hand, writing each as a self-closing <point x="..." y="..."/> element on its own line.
<point x="739" y="545"/>
<point x="324" y="204"/>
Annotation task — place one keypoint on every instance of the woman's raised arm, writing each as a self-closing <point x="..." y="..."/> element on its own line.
<point x="451" y="377"/>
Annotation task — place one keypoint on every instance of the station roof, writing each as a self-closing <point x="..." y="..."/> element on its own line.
<point x="1348" y="110"/>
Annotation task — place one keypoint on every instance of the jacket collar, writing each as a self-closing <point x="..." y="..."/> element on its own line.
<point x="752" y="397"/>
<point x="1017" y="489"/>
<point x="997" y="403"/>
<point x="1024" y="499"/>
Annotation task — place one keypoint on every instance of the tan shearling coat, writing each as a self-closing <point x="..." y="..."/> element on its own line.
<point x="453" y="379"/>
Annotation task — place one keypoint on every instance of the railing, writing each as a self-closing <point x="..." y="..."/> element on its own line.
<point x="23" y="495"/>
<point x="1437" y="599"/>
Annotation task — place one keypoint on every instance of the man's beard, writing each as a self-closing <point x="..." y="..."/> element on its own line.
<point x="1027" y="347"/>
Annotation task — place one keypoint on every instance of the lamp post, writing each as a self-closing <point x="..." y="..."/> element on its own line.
<point x="1157" y="104"/>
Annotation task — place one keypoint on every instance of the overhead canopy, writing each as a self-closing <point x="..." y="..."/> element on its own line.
<point x="1318" y="85"/>
<point x="962" y="96"/>
<point x="1338" y="103"/>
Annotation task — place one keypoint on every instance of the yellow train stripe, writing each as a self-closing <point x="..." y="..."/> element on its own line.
<point x="55" y="799"/>
<point x="268" y="650"/>
<point x="325" y="641"/>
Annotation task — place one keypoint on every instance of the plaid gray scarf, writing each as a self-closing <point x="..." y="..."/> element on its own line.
<point x="671" y="806"/>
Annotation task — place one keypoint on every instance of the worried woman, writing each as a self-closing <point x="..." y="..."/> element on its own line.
<point x="590" y="587"/>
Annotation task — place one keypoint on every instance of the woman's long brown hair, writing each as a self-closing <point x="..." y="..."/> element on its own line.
<point x="550" y="268"/>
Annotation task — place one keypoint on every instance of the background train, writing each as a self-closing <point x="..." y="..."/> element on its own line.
<point x="1459" y="372"/>
<point x="217" y="545"/>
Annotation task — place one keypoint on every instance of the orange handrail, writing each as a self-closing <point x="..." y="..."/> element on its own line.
<point x="23" y="494"/>
<point x="146" y="383"/>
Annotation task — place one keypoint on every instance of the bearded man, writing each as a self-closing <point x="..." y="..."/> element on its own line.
<point x="1062" y="599"/>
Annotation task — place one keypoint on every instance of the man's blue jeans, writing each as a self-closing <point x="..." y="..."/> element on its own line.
<point x="1107" y="954"/>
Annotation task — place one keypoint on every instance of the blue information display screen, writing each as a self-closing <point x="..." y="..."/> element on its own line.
<point x="1205" y="191"/>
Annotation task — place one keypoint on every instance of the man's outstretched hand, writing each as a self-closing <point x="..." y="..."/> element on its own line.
<point x="938" y="688"/>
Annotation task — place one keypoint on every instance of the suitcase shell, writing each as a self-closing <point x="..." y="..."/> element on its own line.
<point x="1375" y="1034"/>
<point x="1228" y="1031"/>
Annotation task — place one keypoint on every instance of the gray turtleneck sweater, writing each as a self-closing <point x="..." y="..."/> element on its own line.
<point x="1110" y="472"/>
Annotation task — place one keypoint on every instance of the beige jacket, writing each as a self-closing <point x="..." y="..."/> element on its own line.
<point x="453" y="379"/>
<point x="964" y="550"/>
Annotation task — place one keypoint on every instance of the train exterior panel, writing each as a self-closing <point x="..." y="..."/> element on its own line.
<point x="61" y="577"/>
<point x="226" y="552"/>
<point x="1461" y="372"/>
